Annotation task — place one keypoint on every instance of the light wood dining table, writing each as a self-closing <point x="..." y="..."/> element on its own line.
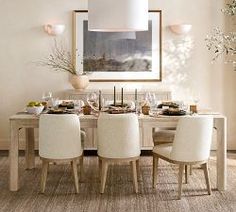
<point x="147" y="123"/>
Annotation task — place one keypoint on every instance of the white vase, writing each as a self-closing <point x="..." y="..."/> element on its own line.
<point x="79" y="82"/>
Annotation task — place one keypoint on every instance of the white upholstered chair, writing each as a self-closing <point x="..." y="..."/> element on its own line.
<point x="191" y="146"/>
<point x="59" y="141"/>
<point x="118" y="141"/>
<point x="163" y="136"/>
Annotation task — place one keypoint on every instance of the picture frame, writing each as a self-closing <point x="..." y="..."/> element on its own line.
<point x="118" y="56"/>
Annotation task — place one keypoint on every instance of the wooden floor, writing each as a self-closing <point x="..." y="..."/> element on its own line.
<point x="119" y="195"/>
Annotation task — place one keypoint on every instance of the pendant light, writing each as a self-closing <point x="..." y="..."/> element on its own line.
<point x="118" y="15"/>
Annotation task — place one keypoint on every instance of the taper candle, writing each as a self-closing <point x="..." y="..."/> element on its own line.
<point x="114" y="95"/>
<point x="100" y="101"/>
<point x="122" y="97"/>
<point x="136" y="95"/>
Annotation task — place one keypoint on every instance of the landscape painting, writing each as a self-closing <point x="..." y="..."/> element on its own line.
<point x="118" y="56"/>
<point x="117" y="51"/>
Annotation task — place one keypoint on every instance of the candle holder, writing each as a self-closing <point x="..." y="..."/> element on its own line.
<point x="193" y="108"/>
<point x="87" y="110"/>
<point x="145" y="109"/>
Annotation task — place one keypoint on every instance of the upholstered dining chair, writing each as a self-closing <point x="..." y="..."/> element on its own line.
<point x="191" y="146"/>
<point x="59" y="141"/>
<point x="118" y="141"/>
<point x="163" y="136"/>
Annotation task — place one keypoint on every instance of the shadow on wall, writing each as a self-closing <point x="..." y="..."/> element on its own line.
<point x="176" y="54"/>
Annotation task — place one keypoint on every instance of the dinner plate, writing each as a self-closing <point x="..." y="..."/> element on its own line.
<point x="174" y="113"/>
<point x="59" y="112"/>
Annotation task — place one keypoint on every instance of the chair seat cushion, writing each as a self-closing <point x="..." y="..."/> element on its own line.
<point x="163" y="150"/>
<point x="163" y="136"/>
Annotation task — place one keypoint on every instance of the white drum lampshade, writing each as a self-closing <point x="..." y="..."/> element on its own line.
<point x="117" y="15"/>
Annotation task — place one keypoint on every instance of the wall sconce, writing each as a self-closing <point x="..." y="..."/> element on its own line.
<point x="180" y="29"/>
<point x="54" y="29"/>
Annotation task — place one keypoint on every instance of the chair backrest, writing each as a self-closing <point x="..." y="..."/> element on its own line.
<point x="118" y="136"/>
<point x="59" y="136"/>
<point x="193" y="138"/>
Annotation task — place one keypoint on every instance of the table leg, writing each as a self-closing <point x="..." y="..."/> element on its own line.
<point x="14" y="148"/>
<point x="220" y="124"/>
<point x="29" y="148"/>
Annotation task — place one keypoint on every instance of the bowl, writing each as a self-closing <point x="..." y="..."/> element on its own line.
<point x="35" y="110"/>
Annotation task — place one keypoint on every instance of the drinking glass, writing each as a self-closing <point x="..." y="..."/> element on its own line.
<point x="148" y="97"/>
<point x="55" y="102"/>
<point x="151" y="99"/>
<point x="47" y="96"/>
<point x="92" y="100"/>
<point x="79" y="104"/>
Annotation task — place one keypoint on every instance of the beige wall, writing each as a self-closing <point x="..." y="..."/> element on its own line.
<point x="23" y="41"/>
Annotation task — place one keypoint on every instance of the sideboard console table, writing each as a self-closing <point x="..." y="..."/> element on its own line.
<point x="108" y="94"/>
<point x="91" y="133"/>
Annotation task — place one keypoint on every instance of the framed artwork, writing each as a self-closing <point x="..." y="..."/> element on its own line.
<point x="118" y="56"/>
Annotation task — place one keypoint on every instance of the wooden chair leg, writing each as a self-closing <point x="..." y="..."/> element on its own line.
<point x="138" y="169"/>
<point x="135" y="179"/>
<point x="186" y="173"/>
<point x="81" y="164"/>
<point x="206" y="173"/>
<point x="100" y="169"/>
<point x="44" y="175"/>
<point x="154" y="172"/>
<point x="75" y="174"/>
<point x="181" y="170"/>
<point x="104" y="175"/>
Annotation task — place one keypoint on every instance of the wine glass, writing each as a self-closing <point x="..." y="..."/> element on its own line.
<point x="195" y="97"/>
<point x="92" y="100"/>
<point x="78" y="105"/>
<point x="148" y="97"/>
<point x="151" y="99"/>
<point x="47" y="96"/>
<point x="54" y="102"/>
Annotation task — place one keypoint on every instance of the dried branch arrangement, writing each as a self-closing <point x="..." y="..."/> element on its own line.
<point x="223" y="44"/>
<point x="59" y="59"/>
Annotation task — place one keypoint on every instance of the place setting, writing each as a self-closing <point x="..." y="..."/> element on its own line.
<point x="95" y="103"/>
<point x="53" y="105"/>
<point x="116" y="105"/>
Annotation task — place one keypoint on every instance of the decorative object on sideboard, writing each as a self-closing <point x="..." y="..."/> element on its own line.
<point x="79" y="82"/>
<point x="54" y="29"/>
<point x="60" y="59"/>
<point x="180" y="29"/>
<point x="118" y="15"/>
<point x="223" y="44"/>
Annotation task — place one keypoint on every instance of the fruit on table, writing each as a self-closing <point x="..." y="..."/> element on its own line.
<point x="34" y="104"/>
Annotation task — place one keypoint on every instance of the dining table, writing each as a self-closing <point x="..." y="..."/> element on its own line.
<point x="29" y="122"/>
